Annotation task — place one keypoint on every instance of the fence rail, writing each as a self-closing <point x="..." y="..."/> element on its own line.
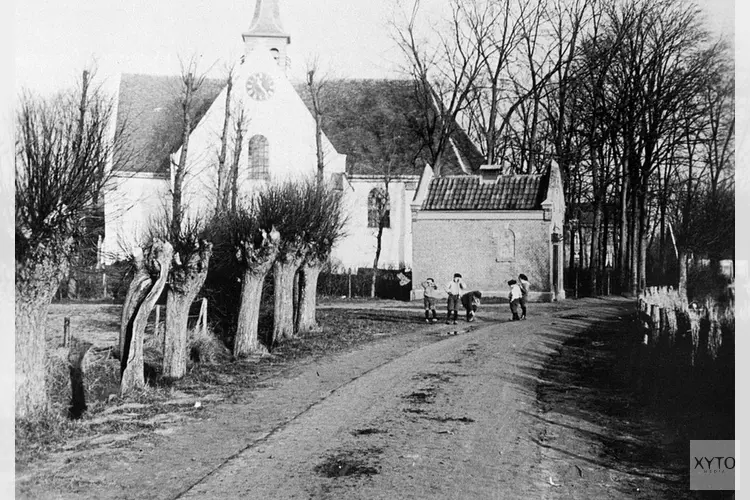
<point x="667" y="319"/>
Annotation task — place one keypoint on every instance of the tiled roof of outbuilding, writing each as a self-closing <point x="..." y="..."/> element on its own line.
<point x="150" y="117"/>
<point x="509" y="192"/>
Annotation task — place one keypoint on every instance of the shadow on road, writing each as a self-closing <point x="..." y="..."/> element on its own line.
<point x="604" y="418"/>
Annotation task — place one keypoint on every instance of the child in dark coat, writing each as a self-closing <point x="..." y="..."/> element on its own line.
<point x="470" y="301"/>
<point x="523" y="282"/>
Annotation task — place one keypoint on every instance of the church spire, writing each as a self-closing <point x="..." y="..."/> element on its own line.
<point x="266" y="22"/>
<point x="267" y="33"/>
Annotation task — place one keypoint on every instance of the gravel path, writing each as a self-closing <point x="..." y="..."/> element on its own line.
<point x="423" y="415"/>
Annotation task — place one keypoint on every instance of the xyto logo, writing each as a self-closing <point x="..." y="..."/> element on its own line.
<point x="713" y="465"/>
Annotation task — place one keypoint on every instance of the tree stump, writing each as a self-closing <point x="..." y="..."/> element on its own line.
<point x="77" y="352"/>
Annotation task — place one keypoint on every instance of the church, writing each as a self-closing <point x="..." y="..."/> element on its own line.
<point x="279" y="143"/>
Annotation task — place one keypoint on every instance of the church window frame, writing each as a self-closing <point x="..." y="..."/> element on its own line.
<point x="377" y="200"/>
<point x="258" y="158"/>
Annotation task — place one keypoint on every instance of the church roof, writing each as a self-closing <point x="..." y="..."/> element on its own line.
<point x="361" y="118"/>
<point x="373" y="120"/>
<point x="468" y="192"/>
<point x="149" y="115"/>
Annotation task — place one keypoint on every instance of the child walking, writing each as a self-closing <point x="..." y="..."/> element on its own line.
<point x="470" y="302"/>
<point x="523" y="282"/>
<point x="514" y="297"/>
<point x="430" y="298"/>
<point x="454" y="288"/>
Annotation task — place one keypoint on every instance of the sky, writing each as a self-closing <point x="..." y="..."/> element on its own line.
<point x="55" y="40"/>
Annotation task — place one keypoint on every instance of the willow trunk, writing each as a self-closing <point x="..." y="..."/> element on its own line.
<point x="246" y="339"/>
<point x="186" y="282"/>
<point x="34" y="291"/>
<point x="174" y="362"/>
<point x="306" y="320"/>
<point x="283" y="305"/>
<point x="132" y="356"/>
<point x="137" y="290"/>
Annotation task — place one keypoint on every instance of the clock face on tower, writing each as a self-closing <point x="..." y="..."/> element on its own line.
<point x="260" y="86"/>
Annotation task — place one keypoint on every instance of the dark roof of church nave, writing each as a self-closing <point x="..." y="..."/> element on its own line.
<point x="368" y="120"/>
<point x="373" y="120"/>
<point x="467" y="192"/>
<point x="150" y="116"/>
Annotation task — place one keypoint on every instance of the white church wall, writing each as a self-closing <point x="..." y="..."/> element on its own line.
<point x="358" y="248"/>
<point x="129" y="207"/>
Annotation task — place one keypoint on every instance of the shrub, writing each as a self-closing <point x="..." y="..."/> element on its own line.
<point x="707" y="281"/>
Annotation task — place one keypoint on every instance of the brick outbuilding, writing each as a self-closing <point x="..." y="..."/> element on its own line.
<point x="490" y="228"/>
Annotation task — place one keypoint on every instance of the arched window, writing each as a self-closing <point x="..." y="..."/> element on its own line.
<point x="275" y="55"/>
<point x="506" y="246"/>
<point x="258" y="158"/>
<point x="378" y="206"/>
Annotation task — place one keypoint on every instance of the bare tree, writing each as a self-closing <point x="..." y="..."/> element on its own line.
<point x="443" y="73"/>
<point x="191" y="251"/>
<point x="222" y="175"/>
<point x="327" y="226"/>
<point x="232" y="185"/>
<point x="494" y="32"/>
<point x="131" y="361"/>
<point x="256" y="244"/>
<point x="62" y="148"/>
<point x="190" y="83"/>
<point x="293" y="214"/>
<point x="380" y="202"/>
<point x="316" y="86"/>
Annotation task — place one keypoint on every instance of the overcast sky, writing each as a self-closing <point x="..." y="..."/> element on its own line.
<point x="55" y="39"/>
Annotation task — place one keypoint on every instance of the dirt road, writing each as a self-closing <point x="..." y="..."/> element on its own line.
<point x="424" y="415"/>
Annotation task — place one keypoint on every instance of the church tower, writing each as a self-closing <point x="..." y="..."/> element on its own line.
<point x="267" y="33"/>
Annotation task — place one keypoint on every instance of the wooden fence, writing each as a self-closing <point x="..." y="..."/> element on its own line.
<point x="668" y="323"/>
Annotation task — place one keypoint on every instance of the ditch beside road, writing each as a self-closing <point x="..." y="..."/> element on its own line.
<point x="484" y="413"/>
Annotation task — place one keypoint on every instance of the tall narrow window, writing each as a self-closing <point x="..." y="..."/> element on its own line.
<point x="258" y="158"/>
<point x="378" y="205"/>
<point x="505" y="244"/>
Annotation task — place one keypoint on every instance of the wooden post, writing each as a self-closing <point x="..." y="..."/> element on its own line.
<point x="655" y="323"/>
<point x="66" y="331"/>
<point x="350" y="284"/>
<point x="104" y="285"/>
<point x="204" y="316"/>
<point x="76" y="354"/>
<point x="664" y="325"/>
<point x="695" y="329"/>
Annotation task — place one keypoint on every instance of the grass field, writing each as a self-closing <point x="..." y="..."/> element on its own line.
<point x="97" y="323"/>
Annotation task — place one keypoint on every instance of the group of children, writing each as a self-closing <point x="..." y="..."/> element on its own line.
<point x="518" y="296"/>
<point x="455" y="289"/>
<point x="519" y="291"/>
